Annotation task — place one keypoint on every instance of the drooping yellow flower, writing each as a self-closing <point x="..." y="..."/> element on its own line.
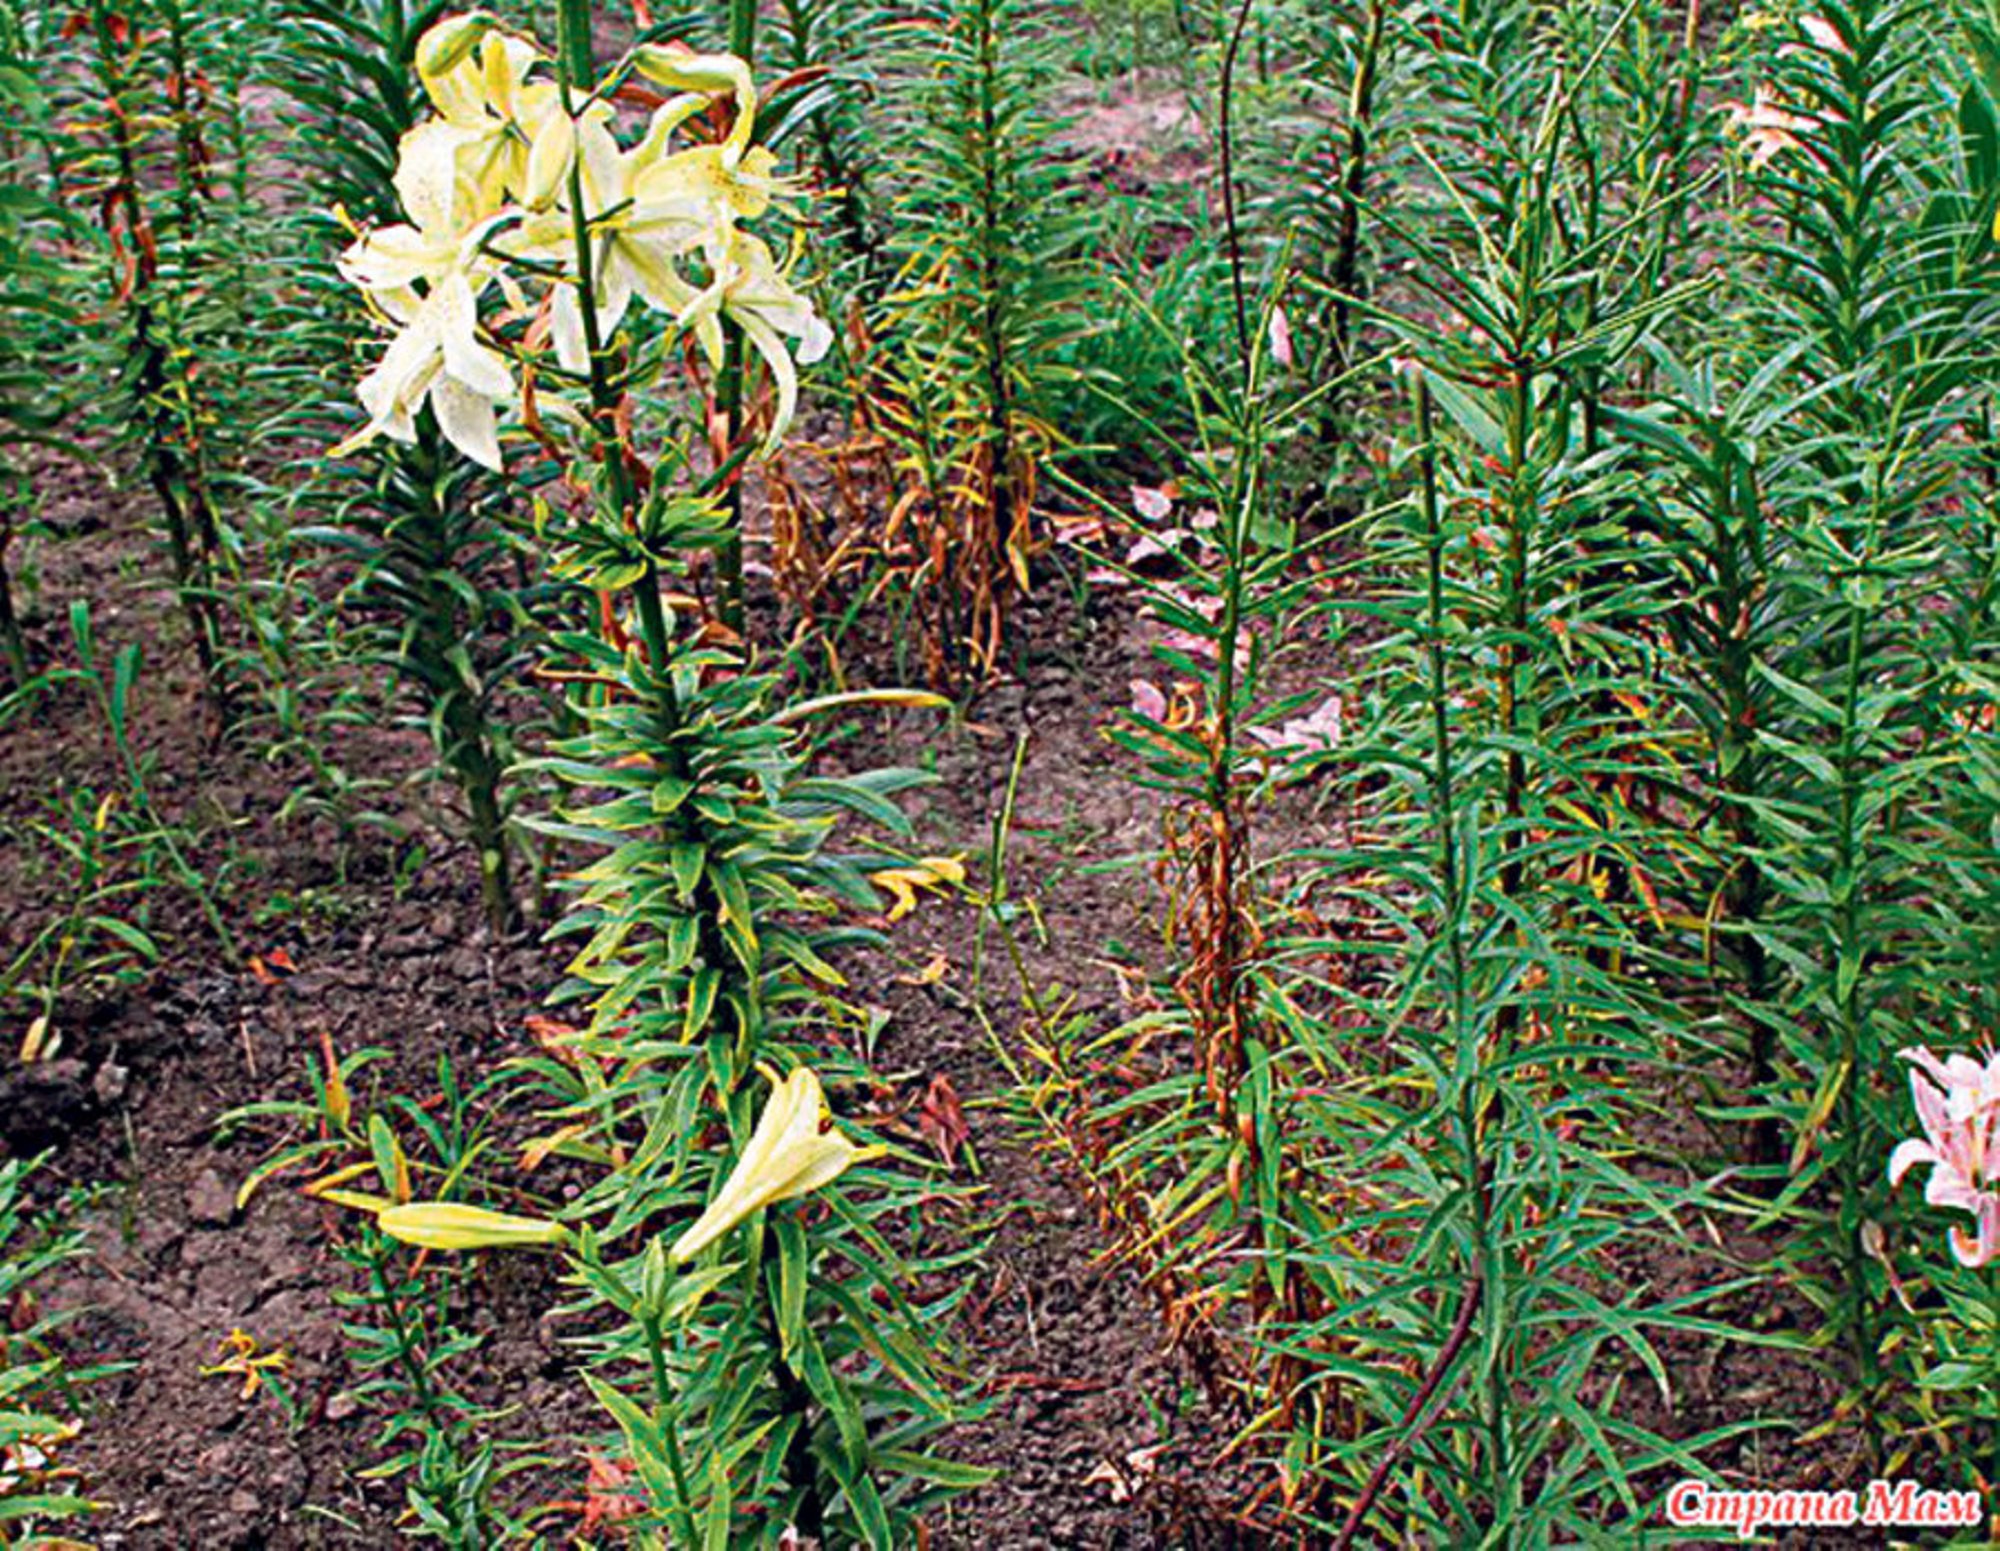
<point x="933" y="873"/>
<point x="705" y="185"/>
<point x="446" y="1225"/>
<point x="788" y="1155"/>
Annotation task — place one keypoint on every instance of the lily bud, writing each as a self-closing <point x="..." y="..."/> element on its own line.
<point x="712" y="74"/>
<point x="549" y="160"/>
<point x="339" y="1106"/>
<point x="451" y="41"/>
<point x="443" y="1225"/>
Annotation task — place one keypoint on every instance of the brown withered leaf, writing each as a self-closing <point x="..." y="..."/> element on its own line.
<point x="941" y="1118"/>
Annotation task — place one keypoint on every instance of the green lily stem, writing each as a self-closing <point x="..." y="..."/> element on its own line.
<point x="171" y="455"/>
<point x="574" y="69"/>
<point x="729" y="390"/>
<point x="666" y="1416"/>
<point x="1856" y="1047"/>
<point x="408" y="1332"/>
<point x="1484" y="1300"/>
<point x="794" y="1399"/>
<point x="1354" y="184"/>
<point x="666" y="1410"/>
<point x="1231" y="231"/>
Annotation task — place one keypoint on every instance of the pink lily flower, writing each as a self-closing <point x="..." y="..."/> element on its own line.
<point x="1958" y="1105"/>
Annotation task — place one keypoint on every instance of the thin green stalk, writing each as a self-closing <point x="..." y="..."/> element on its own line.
<point x="381" y="1256"/>
<point x="1860" y="1164"/>
<point x="1443" y="788"/>
<point x="1354" y="184"/>
<point x="993" y="286"/>
<point x="666" y="1415"/>
<point x="1232" y="232"/>
<point x="1513" y="655"/>
<point x="574" y="71"/>
<point x="794" y="1397"/>
<point x="729" y="391"/>
<point x="1483" y="1298"/>
<point x="177" y="480"/>
<point x="111" y="705"/>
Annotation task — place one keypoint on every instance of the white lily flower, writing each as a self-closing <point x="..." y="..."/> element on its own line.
<point x="788" y="1155"/>
<point x="439" y="359"/>
<point x="634" y="242"/>
<point x="504" y="151"/>
<point x="752" y="290"/>
<point x="704" y="180"/>
<point x="446" y="229"/>
<point x="437" y="356"/>
<point x="486" y="96"/>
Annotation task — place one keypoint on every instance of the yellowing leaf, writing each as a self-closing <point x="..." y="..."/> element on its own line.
<point x="536" y="1152"/>
<point x="931" y="872"/>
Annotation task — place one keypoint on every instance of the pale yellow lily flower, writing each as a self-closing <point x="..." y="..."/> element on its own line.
<point x="439" y="359"/>
<point x="447" y="221"/>
<point x="437" y="355"/>
<point x="487" y="100"/>
<point x="752" y="290"/>
<point x="504" y="154"/>
<point x="446" y="1225"/>
<point x="633" y="245"/>
<point x="709" y="186"/>
<point x="788" y="1155"/>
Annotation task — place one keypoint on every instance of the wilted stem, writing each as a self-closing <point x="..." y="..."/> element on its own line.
<point x="1418" y="1415"/>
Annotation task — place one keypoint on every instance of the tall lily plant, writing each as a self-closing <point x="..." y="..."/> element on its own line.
<point x="573" y="237"/>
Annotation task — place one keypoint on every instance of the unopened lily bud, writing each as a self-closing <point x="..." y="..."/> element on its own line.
<point x="451" y="41"/>
<point x="690" y="72"/>
<point x="443" y="1225"/>
<point x="653" y="1278"/>
<point x="710" y="73"/>
<point x="549" y="160"/>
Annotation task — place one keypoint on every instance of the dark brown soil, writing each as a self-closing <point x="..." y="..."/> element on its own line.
<point x="393" y="956"/>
